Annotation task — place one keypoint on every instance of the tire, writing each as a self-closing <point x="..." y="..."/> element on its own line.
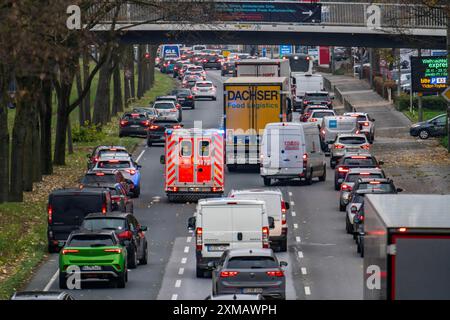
<point x="144" y="259"/>
<point x="424" y="134"/>
<point x="283" y="245"/>
<point x="336" y="185"/>
<point x="323" y="177"/>
<point x="214" y="99"/>
<point x="52" y="249"/>
<point x="199" y="272"/>
<point x="136" y="192"/>
<point x="309" y="179"/>
<point x="149" y="143"/>
<point x="358" y="246"/>
<point x="133" y="260"/>
<point x="347" y="225"/>
<point x="122" y="280"/>
<point x="342" y="207"/>
<point x="62" y="280"/>
<point x="332" y="163"/>
<point x="267" y="181"/>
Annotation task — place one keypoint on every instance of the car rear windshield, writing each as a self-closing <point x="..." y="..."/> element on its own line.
<point x="166" y="98"/>
<point x="183" y="92"/>
<point x="66" y="207"/>
<point x="368" y="161"/>
<point x="193" y="69"/>
<point x="134" y="117"/>
<point x="375" y="187"/>
<point x="165" y="122"/>
<point x="104" y="223"/>
<point x="320" y="115"/>
<point x="362" y="118"/>
<point x="204" y="85"/>
<point x="352" y="140"/>
<point x="317" y="96"/>
<point x="109" y="153"/>
<point x="353" y="177"/>
<point x="94" y="240"/>
<point x="112" y="164"/>
<point x="94" y="179"/>
<point x="164" y="106"/>
<point x="251" y="263"/>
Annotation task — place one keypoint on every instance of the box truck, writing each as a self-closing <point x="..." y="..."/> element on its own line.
<point x="249" y="104"/>
<point x="407" y="247"/>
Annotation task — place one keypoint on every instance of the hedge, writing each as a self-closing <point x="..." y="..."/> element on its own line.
<point x="436" y="103"/>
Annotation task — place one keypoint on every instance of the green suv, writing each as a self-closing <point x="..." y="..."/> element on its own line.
<point x="96" y="255"/>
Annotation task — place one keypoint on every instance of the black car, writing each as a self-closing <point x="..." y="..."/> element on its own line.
<point x="319" y="98"/>
<point x="127" y="228"/>
<point x="431" y="128"/>
<point x="67" y="208"/>
<point x="353" y="160"/>
<point x="211" y="61"/>
<point x="105" y="177"/>
<point x="184" y="97"/>
<point x="133" y="124"/>
<point x="120" y="196"/>
<point x="228" y="67"/>
<point x="157" y="129"/>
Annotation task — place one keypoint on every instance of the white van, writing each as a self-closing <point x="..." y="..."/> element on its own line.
<point x="227" y="223"/>
<point x="276" y="208"/>
<point x="304" y="83"/>
<point x="332" y="126"/>
<point x="292" y="150"/>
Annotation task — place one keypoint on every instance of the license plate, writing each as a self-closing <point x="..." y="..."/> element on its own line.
<point x="134" y="126"/>
<point x="353" y="149"/>
<point x="217" y="248"/>
<point x="252" y="290"/>
<point x="91" y="268"/>
<point x="181" y="99"/>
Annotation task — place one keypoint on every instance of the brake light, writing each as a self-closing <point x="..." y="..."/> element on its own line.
<point x="131" y="171"/>
<point x="358" y="132"/>
<point x="99" y="174"/>
<point x="358" y="157"/>
<point x="176" y="126"/>
<point x="365" y="174"/>
<point x="115" y="199"/>
<point x="265" y="237"/>
<point x="339" y="146"/>
<point x="95" y="159"/>
<point x="125" y="235"/>
<point x="278" y="273"/>
<point x="145" y="123"/>
<point x="323" y="131"/>
<point x="104" y="207"/>
<point x="50" y="213"/>
<point x="374" y="182"/>
<point x="123" y="123"/>
<point x="365" y="124"/>
<point x="199" y="239"/>
<point x="342" y="169"/>
<point x="365" y="147"/>
<point x="402" y="229"/>
<point x="66" y="251"/>
<point x="228" y="274"/>
<point x="190" y="97"/>
<point x="283" y="207"/>
<point x="305" y="101"/>
<point x="116" y="250"/>
<point x="346" y="187"/>
<point x="313" y="120"/>
<point x="113" y="161"/>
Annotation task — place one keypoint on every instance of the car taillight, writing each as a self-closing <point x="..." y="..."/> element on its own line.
<point x="153" y="127"/>
<point x="115" y="250"/>
<point x="145" y="123"/>
<point x="305" y="101"/>
<point x="95" y="159"/>
<point x="178" y="106"/>
<point x="342" y="169"/>
<point x="50" y="213"/>
<point x="339" y="146"/>
<point x="358" y="132"/>
<point x="104" y="207"/>
<point x="278" y="273"/>
<point x="199" y="238"/>
<point x="323" y="131"/>
<point x="190" y="97"/>
<point x="365" y="124"/>
<point x="125" y="235"/>
<point x="365" y="146"/>
<point x="176" y="126"/>
<point x="123" y="123"/>
<point x="346" y="187"/>
<point x="313" y="120"/>
<point x="228" y="274"/>
<point x="100" y="174"/>
<point x="66" y="251"/>
<point x="305" y="160"/>
<point x="131" y="171"/>
<point x="265" y="237"/>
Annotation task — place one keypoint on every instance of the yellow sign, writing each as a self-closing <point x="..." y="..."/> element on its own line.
<point x="226" y="53"/>
<point x="446" y="94"/>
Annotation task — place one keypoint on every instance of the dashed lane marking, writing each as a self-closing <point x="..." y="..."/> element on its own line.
<point x="189" y="239"/>
<point x="295" y="226"/>
<point x="183" y="260"/>
<point x="307" y="291"/>
<point x="174" y="297"/>
<point x="50" y="283"/>
<point x="300" y="254"/>
<point x="292" y="203"/>
<point x="297" y="239"/>
<point x="180" y="271"/>
<point x="186" y="249"/>
<point x="139" y="157"/>
<point x="293" y="213"/>
<point x="177" y="283"/>
<point x="290" y="194"/>
<point x="303" y="271"/>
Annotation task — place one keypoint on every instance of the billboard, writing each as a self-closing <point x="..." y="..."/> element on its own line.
<point x="171" y="51"/>
<point x="428" y="74"/>
<point x="253" y="11"/>
<point x="285" y="49"/>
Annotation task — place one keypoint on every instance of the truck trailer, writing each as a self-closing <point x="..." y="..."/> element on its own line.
<point x="407" y="247"/>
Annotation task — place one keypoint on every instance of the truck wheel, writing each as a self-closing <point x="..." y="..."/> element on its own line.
<point x="324" y="176"/>
<point x="309" y="178"/>
<point x="200" y="272"/>
<point x="283" y="245"/>
<point x="149" y="143"/>
<point x="62" y="280"/>
<point x="267" y="181"/>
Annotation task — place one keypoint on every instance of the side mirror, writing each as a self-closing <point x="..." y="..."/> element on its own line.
<point x="144" y="228"/>
<point x="162" y="159"/>
<point x="212" y="265"/>
<point x="138" y="166"/>
<point x="399" y="190"/>
<point x="381" y="162"/>
<point x="340" y="180"/>
<point x="287" y="205"/>
<point x="283" y="264"/>
<point x="271" y="223"/>
<point x="191" y="223"/>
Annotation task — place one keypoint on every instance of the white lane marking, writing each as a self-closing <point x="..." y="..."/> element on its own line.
<point x="186" y="249"/>
<point x="183" y="260"/>
<point x="174" y="297"/>
<point x="293" y="213"/>
<point x="188" y="239"/>
<point x="178" y="284"/>
<point x="295" y="226"/>
<point x="297" y="239"/>
<point x="292" y="203"/>
<point x="300" y="254"/>
<point x="139" y="158"/>
<point x="307" y="291"/>
<point x="50" y="283"/>
<point x="290" y="194"/>
<point x="303" y="271"/>
<point x="180" y="271"/>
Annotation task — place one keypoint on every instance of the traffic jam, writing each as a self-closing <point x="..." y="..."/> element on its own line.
<point x="277" y="128"/>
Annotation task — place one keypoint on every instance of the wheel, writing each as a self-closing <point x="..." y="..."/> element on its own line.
<point x="267" y="181"/>
<point x="347" y="225"/>
<point x="332" y="163"/>
<point x="122" y="280"/>
<point x="132" y="259"/>
<point x="136" y="192"/>
<point x="283" y="245"/>
<point x="336" y="185"/>
<point x="149" y="143"/>
<point x="424" y="134"/>
<point x="231" y="167"/>
<point x="309" y="178"/>
<point x="358" y="246"/>
<point x="200" y="272"/>
<point x="144" y="258"/>
<point x="342" y="207"/>
<point x="52" y="249"/>
<point x="62" y="280"/>
<point x="214" y="99"/>
<point x="324" y="176"/>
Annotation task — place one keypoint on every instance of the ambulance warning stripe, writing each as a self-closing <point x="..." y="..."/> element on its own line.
<point x="218" y="161"/>
<point x="219" y="182"/>
<point x="171" y="172"/>
<point x="171" y="181"/>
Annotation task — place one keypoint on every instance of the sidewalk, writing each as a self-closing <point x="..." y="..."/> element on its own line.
<point x="418" y="166"/>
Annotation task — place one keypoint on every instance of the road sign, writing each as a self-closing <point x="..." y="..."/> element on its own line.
<point x="446" y="94"/>
<point x="428" y="74"/>
<point x="285" y="49"/>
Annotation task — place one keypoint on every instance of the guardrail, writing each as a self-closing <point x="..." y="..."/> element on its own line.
<point x="403" y="16"/>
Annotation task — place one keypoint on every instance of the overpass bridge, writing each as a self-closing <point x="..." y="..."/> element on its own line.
<point x="326" y="23"/>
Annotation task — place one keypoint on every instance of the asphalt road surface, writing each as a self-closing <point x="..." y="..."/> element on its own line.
<point x="322" y="259"/>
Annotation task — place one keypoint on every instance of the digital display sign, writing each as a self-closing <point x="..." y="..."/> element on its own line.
<point x="429" y="74"/>
<point x="269" y="12"/>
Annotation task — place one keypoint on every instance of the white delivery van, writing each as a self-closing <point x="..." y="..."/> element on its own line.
<point x="276" y="208"/>
<point x="332" y="126"/>
<point x="225" y="223"/>
<point x="305" y="82"/>
<point x="292" y="150"/>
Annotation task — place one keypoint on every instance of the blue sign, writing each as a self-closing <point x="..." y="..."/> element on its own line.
<point x="332" y="124"/>
<point x="264" y="52"/>
<point x="285" y="49"/>
<point x="171" y="51"/>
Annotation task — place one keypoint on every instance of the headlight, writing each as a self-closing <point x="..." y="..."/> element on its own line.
<point x="415" y="126"/>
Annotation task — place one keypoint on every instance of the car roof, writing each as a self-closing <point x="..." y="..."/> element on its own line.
<point x="343" y="135"/>
<point x="359" y="170"/>
<point x="222" y="201"/>
<point x="92" y="232"/>
<point x="257" y="252"/>
<point x="100" y="185"/>
<point x="163" y="101"/>
<point x="118" y="156"/>
<point x="384" y="180"/>
<point x="204" y="81"/>
<point x="356" y="113"/>
<point x="107" y="172"/>
<point x="365" y="153"/>
<point x="39" y="295"/>
<point x="114" y="215"/>
<point x="111" y="147"/>
<point x="166" y="97"/>
<point x="258" y="191"/>
<point x="77" y="190"/>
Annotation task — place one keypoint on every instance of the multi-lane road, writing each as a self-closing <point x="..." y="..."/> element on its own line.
<point x="322" y="259"/>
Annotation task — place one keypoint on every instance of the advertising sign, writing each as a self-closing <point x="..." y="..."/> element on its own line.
<point x="171" y="51"/>
<point x="428" y="74"/>
<point x="285" y="49"/>
<point x="269" y="12"/>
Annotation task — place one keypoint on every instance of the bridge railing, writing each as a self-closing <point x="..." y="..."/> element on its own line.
<point x="402" y="16"/>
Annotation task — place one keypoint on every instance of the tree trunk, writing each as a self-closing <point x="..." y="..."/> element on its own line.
<point x="46" y="127"/>
<point x="117" y="99"/>
<point x="69" y="137"/>
<point x="4" y="137"/>
<point x="36" y="145"/>
<point x="62" y="118"/>
<point x="140" y="67"/>
<point x="102" y="100"/>
<point x="87" y="99"/>
<point x="153" y="50"/>
<point x="131" y="67"/>
<point x="81" y="112"/>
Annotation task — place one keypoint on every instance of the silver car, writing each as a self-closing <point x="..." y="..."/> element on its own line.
<point x="366" y="124"/>
<point x="167" y="110"/>
<point x="347" y="143"/>
<point x="352" y="176"/>
<point x="249" y="271"/>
